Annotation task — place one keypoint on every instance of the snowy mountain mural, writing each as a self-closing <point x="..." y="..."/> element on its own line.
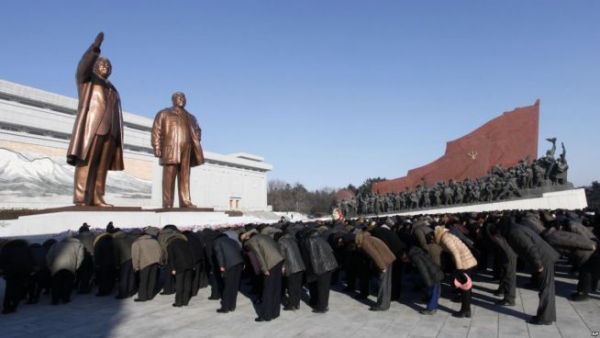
<point x="32" y="180"/>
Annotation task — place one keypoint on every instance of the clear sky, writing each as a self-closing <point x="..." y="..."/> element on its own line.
<point x="330" y="92"/>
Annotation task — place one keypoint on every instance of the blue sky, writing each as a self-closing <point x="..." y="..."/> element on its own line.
<point x="330" y="92"/>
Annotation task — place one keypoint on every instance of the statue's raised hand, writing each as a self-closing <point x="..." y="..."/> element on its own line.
<point x="98" y="41"/>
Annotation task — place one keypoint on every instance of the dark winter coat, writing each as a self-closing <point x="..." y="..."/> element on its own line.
<point x="123" y="243"/>
<point x="196" y="245"/>
<point x="16" y="259"/>
<point x="179" y="254"/>
<point x="428" y="269"/>
<point x="207" y="242"/>
<point x="580" y="229"/>
<point x="576" y="246"/>
<point x="39" y="256"/>
<point x="420" y="233"/>
<point x="530" y="246"/>
<point x="291" y="252"/>
<point x="226" y="251"/>
<point x="234" y="235"/>
<point x="390" y="238"/>
<point x="317" y="254"/>
<point x="501" y="247"/>
<point x="532" y="222"/>
<point x="104" y="251"/>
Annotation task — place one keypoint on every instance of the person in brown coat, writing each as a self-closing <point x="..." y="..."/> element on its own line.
<point x="464" y="262"/>
<point x="383" y="258"/>
<point x="146" y="256"/>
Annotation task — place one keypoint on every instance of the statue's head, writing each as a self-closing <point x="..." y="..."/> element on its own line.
<point x="178" y="100"/>
<point x="103" y="67"/>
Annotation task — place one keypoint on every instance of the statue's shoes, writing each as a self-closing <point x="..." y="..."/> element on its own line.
<point x="188" y="206"/>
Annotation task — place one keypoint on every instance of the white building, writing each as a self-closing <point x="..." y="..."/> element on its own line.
<point x="35" y="128"/>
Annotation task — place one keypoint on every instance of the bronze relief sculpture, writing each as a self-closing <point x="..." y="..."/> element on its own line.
<point x="96" y="145"/>
<point x="176" y="142"/>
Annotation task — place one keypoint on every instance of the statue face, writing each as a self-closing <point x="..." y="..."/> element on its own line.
<point x="179" y="100"/>
<point x="103" y="68"/>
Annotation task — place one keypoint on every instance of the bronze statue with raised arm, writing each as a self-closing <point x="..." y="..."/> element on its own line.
<point x="96" y="144"/>
<point x="176" y="142"/>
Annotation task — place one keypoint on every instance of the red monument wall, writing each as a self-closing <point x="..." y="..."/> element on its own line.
<point x="504" y="141"/>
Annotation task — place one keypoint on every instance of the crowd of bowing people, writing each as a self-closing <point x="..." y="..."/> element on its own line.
<point x="277" y="261"/>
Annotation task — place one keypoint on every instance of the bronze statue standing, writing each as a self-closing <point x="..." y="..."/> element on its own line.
<point x="176" y="141"/>
<point x="96" y="145"/>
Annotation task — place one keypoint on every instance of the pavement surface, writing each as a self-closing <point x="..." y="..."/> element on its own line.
<point x="89" y="316"/>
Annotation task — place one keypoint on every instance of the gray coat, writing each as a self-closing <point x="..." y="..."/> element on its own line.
<point x="65" y="255"/>
<point x="146" y="251"/>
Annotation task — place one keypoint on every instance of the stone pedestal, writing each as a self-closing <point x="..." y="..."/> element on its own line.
<point x="568" y="199"/>
<point x="59" y="220"/>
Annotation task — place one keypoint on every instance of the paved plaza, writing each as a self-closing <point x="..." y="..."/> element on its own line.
<point x="89" y="316"/>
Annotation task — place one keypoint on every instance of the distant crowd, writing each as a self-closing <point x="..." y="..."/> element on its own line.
<point x="273" y="263"/>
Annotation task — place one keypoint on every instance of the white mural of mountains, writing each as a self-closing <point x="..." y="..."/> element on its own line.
<point x="36" y="175"/>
